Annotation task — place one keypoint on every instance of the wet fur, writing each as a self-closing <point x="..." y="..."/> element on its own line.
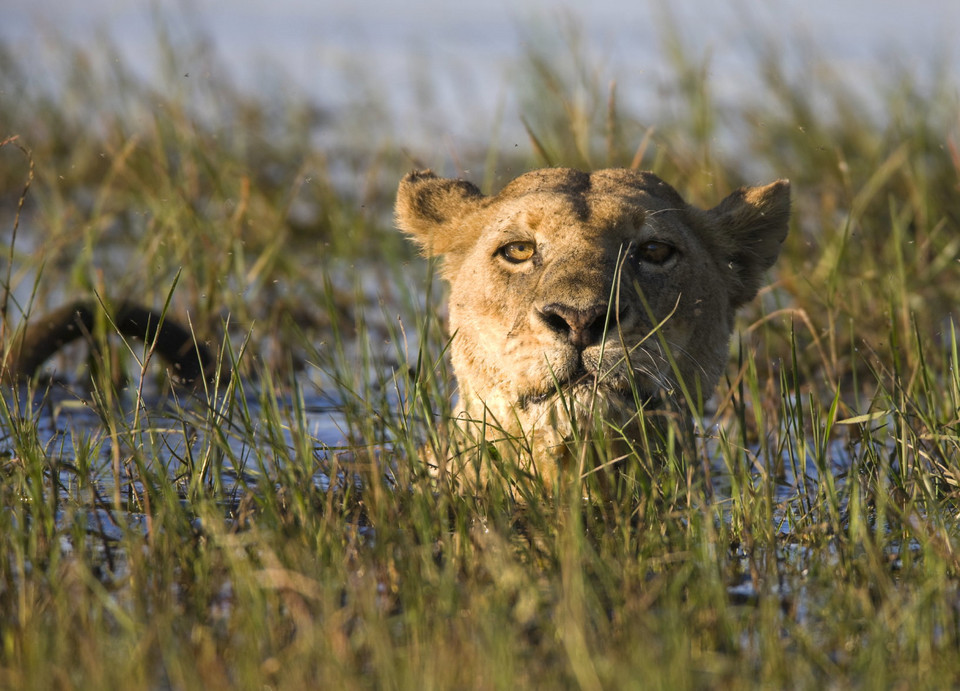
<point x="516" y="328"/>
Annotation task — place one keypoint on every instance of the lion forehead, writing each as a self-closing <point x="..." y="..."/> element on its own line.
<point x="575" y="183"/>
<point x="568" y="201"/>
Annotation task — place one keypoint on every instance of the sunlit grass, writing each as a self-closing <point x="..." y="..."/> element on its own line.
<point x="209" y="539"/>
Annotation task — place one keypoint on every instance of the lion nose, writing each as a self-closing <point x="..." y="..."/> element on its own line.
<point x="582" y="327"/>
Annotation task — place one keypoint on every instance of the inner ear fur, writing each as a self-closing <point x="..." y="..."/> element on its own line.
<point x="752" y="223"/>
<point x="428" y="208"/>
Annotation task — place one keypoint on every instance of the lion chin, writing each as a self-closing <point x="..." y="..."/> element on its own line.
<point x="574" y="411"/>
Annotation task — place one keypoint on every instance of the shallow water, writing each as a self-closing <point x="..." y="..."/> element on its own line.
<point x="71" y="429"/>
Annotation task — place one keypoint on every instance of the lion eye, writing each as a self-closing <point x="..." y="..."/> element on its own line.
<point x="517" y="252"/>
<point x="656" y="252"/>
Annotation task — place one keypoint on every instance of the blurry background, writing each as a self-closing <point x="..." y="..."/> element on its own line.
<point x="450" y="68"/>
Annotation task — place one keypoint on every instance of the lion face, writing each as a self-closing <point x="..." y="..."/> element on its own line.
<point x="573" y="294"/>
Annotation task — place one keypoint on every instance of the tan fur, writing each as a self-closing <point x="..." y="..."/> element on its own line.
<point x="581" y="315"/>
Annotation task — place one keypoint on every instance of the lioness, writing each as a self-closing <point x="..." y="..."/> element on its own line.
<point x="575" y="295"/>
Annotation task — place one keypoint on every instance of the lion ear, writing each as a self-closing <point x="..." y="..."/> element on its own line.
<point x="428" y="208"/>
<point x="753" y="222"/>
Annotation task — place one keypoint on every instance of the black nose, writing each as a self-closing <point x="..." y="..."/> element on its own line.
<point x="582" y="327"/>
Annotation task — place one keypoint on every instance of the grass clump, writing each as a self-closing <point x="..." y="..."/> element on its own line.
<point x="165" y="539"/>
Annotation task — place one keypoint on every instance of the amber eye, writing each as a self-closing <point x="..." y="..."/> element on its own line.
<point x="656" y="252"/>
<point x="518" y="252"/>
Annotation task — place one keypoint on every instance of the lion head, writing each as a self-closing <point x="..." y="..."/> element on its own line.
<point x="574" y="294"/>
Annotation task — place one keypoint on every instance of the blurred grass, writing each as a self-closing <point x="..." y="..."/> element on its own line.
<point x="193" y="543"/>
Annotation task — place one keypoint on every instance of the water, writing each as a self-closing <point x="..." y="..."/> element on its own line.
<point x="447" y="68"/>
<point x="172" y="440"/>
